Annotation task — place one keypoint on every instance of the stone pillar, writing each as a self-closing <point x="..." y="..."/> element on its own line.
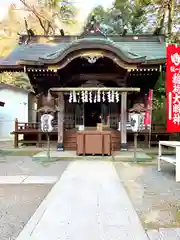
<point x="123" y="121"/>
<point x="60" y="121"/>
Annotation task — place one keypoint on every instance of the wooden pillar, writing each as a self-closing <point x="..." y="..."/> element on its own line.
<point x="39" y="131"/>
<point x="146" y="142"/>
<point x="16" y="140"/>
<point x="123" y="121"/>
<point x="38" y="119"/>
<point x="60" y="121"/>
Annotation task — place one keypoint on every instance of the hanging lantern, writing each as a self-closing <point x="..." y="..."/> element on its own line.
<point x="70" y="97"/>
<point x="117" y="96"/>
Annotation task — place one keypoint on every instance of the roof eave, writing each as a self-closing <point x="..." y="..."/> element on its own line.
<point x="158" y="61"/>
<point x="4" y="67"/>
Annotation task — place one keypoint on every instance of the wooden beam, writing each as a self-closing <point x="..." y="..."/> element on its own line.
<point x="105" y="89"/>
<point x="98" y="76"/>
<point x="60" y="120"/>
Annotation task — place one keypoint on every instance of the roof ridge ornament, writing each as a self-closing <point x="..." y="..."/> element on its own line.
<point x="93" y="28"/>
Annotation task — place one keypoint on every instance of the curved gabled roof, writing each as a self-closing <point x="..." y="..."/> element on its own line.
<point x="44" y="49"/>
<point x="89" y="44"/>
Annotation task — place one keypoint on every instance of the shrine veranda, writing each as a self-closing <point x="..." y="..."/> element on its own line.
<point x="86" y="80"/>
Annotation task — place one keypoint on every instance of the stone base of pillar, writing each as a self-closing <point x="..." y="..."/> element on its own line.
<point x="60" y="147"/>
<point x="123" y="146"/>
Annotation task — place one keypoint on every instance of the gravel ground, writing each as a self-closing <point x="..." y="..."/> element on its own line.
<point x="17" y="204"/>
<point x="155" y="195"/>
<point x="21" y="165"/>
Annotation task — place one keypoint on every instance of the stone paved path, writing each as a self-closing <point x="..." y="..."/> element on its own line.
<point x="24" y="166"/>
<point x="28" y="179"/>
<point x="88" y="202"/>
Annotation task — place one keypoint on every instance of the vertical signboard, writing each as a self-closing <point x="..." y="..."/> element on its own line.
<point x="173" y="88"/>
<point x="148" y="113"/>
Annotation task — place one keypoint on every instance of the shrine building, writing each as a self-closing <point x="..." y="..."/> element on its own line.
<point x="86" y="81"/>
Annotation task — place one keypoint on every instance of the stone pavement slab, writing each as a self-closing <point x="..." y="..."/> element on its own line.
<point x="88" y="202"/>
<point x="12" y="179"/>
<point x="28" y="179"/>
<point x="40" y="180"/>
<point x="23" y="166"/>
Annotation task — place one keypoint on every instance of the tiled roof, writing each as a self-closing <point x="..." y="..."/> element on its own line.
<point x="151" y="47"/>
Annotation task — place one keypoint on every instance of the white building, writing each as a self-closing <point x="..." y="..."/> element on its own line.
<point x="16" y="106"/>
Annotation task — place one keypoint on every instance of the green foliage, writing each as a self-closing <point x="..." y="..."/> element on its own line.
<point x="140" y="16"/>
<point x="124" y="14"/>
<point x="16" y="79"/>
<point x="159" y="113"/>
<point x="159" y="101"/>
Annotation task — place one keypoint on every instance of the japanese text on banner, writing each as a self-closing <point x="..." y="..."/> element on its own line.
<point x="175" y="91"/>
<point x="173" y="88"/>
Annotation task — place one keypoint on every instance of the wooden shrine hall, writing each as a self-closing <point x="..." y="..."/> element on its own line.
<point x="88" y="83"/>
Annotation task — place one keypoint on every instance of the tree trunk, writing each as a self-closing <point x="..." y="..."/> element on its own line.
<point x="170" y="16"/>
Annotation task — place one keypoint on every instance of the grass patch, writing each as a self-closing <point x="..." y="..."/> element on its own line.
<point x="131" y="160"/>
<point x="44" y="159"/>
<point x="153" y="225"/>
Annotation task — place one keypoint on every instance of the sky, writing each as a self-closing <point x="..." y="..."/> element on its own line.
<point x="84" y="6"/>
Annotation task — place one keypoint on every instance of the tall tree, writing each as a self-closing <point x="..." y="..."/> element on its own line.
<point x="125" y="14"/>
<point x="138" y="16"/>
<point x="51" y="14"/>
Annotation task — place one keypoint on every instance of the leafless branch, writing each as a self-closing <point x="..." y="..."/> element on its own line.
<point x="43" y="21"/>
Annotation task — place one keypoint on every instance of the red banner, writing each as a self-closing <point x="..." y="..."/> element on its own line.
<point x="148" y="113"/>
<point x="173" y="88"/>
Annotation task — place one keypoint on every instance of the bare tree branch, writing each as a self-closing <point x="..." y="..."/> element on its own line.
<point x="43" y="21"/>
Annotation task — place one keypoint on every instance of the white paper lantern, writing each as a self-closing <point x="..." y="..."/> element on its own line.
<point x="135" y="122"/>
